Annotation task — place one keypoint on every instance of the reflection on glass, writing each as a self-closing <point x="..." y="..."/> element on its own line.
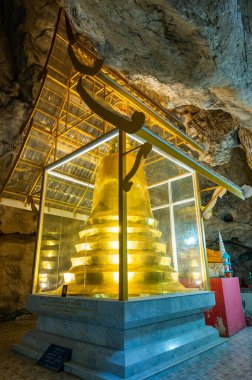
<point x="187" y="245"/>
<point x="149" y="269"/>
<point x="94" y="268"/>
<point x="57" y="246"/>
<point x="182" y="189"/>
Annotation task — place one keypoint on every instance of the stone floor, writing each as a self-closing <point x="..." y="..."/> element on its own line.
<point x="16" y="367"/>
<point x="233" y="361"/>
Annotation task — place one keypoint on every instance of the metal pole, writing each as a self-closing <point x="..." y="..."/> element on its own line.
<point x="123" y="262"/>
<point x="202" y="241"/>
<point x="39" y="233"/>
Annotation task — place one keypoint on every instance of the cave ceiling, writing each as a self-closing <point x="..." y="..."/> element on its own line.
<point x="192" y="57"/>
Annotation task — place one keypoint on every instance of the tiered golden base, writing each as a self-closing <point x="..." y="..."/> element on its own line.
<point x="95" y="266"/>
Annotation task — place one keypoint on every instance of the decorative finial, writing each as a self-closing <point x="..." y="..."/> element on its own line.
<point x="225" y="258"/>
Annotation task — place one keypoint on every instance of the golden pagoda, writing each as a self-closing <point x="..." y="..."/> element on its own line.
<point x="95" y="266"/>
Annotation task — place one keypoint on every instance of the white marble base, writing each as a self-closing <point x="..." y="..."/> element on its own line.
<point x="138" y="339"/>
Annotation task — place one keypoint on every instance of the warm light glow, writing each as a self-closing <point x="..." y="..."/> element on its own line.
<point x="165" y="261"/>
<point x="160" y="207"/>
<point x="76" y="261"/>
<point x="130" y="275"/>
<point x="51" y="242"/>
<point x="196" y="275"/>
<point x="170" y="180"/>
<point x="115" y="259"/>
<point x="69" y="277"/>
<point x="71" y="179"/>
<point x="92" y="145"/>
<point x="49" y="253"/>
<point x="116" y="276"/>
<point x="46" y="265"/>
<point x="194" y="263"/>
<point x="43" y="276"/>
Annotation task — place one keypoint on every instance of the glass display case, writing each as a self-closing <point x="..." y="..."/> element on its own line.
<point x="103" y="240"/>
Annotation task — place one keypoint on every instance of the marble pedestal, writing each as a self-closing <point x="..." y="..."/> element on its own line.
<point x="112" y="340"/>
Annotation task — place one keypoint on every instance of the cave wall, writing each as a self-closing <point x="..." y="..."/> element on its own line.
<point x="26" y="30"/>
<point x="17" y="244"/>
<point x="232" y="216"/>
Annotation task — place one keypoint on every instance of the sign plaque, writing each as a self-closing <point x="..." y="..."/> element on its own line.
<point x="64" y="291"/>
<point x="54" y="357"/>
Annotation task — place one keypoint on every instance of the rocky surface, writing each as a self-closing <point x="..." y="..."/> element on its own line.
<point x="245" y="136"/>
<point x="193" y="52"/>
<point x="17" y="243"/>
<point x="216" y="130"/>
<point x="232" y="216"/>
<point x="193" y="57"/>
<point x="26" y="30"/>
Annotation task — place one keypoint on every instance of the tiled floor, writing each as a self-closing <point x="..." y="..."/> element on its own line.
<point x="232" y="361"/>
<point x="17" y="367"/>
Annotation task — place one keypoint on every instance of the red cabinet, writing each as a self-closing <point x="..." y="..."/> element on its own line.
<point x="227" y="315"/>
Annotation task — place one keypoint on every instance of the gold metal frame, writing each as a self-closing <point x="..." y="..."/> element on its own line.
<point x="188" y="162"/>
<point x="61" y="120"/>
<point x="39" y="233"/>
<point x="123" y="256"/>
<point x="201" y="232"/>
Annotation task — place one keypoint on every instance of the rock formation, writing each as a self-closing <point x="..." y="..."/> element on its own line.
<point x="26" y="30"/>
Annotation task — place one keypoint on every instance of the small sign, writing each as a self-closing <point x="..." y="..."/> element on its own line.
<point x="54" y="357"/>
<point x="64" y="291"/>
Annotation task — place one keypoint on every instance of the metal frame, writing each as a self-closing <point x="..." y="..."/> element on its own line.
<point x="69" y="115"/>
<point x="163" y="150"/>
<point x="122" y="195"/>
<point x="201" y="231"/>
<point x="176" y="155"/>
<point x="39" y="233"/>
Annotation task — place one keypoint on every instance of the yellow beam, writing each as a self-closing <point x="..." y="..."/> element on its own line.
<point x="190" y="162"/>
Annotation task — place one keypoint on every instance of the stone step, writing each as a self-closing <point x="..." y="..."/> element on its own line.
<point x="119" y="338"/>
<point x="155" y="373"/>
<point x="127" y="362"/>
<point x="133" y="361"/>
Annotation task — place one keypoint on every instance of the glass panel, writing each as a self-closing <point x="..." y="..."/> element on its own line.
<point x="57" y="247"/>
<point x="151" y="249"/>
<point x="188" y="246"/>
<point x="79" y="245"/>
<point x="159" y="196"/>
<point x="182" y="189"/>
<point x="160" y="247"/>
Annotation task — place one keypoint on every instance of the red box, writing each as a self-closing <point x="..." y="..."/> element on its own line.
<point x="227" y="315"/>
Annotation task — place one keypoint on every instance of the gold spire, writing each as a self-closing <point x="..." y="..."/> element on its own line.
<point x="95" y="265"/>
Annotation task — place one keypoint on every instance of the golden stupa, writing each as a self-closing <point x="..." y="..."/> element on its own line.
<point x="95" y="266"/>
